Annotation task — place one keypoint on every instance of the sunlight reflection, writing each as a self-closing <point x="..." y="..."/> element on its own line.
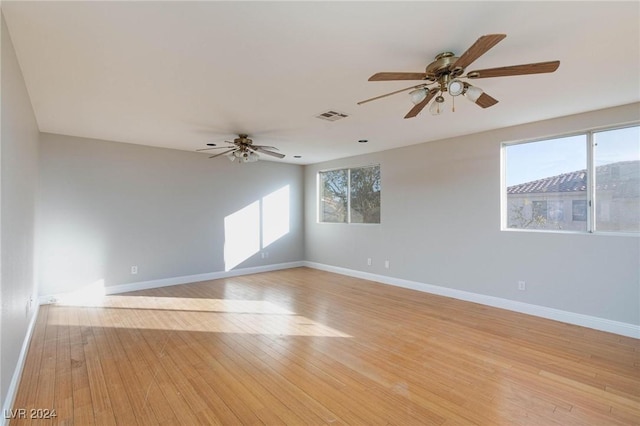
<point x="255" y="226"/>
<point x="180" y="304"/>
<point x="275" y="215"/>
<point x="193" y="314"/>
<point x="89" y="294"/>
<point x="241" y="235"/>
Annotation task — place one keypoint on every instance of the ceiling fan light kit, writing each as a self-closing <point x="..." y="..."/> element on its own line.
<point x="243" y="157"/>
<point x="456" y="87"/>
<point x="437" y="107"/>
<point x="472" y="93"/>
<point x="418" y="95"/>
<point x="446" y="73"/>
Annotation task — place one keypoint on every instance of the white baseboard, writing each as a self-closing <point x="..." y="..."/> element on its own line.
<point x="17" y="373"/>
<point x="185" y="279"/>
<point x="602" y="324"/>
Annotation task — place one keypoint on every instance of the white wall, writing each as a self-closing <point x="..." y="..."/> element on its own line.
<point x="18" y="177"/>
<point x="107" y="206"/>
<point x="441" y="226"/>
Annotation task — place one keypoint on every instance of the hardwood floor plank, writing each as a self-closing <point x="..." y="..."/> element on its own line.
<point x="205" y="400"/>
<point x="110" y="356"/>
<point x="63" y="393"/>
<point x="148" y="397"/>
<point x="100" y="400"/>
<point x="377" y="412"/>
<point x="212" y="379"/>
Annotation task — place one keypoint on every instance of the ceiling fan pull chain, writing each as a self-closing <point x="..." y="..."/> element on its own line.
<point x="453" y="104"/>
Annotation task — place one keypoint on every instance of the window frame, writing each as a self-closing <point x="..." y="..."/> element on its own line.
<point x="319" y="195"/>
<point x="591" y="187"/>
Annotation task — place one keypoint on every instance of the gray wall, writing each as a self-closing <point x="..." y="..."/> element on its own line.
<point x="107" y="206"/>
<point x="18" y="177"/>
<point x="441" y="226"/>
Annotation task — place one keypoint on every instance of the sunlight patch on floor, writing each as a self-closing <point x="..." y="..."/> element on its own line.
<point x="190" y="314"/>
<point x="178" y="304"/>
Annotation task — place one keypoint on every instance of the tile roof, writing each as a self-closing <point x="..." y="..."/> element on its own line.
<point x="623" y="175"/>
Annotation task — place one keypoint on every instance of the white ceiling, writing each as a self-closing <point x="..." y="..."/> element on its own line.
<point x="183" y="74"/>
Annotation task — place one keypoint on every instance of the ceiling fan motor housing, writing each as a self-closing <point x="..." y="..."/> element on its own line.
<point x="242" y="139"/>
<point x="440" y="66"/>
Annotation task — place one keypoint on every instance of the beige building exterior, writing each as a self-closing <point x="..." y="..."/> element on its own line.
<point x="561" y="202"/>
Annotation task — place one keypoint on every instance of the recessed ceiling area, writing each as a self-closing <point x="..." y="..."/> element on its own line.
<point x="183" y="74"/>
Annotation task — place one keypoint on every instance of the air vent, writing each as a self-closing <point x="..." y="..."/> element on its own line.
<point x="331" y="115"/>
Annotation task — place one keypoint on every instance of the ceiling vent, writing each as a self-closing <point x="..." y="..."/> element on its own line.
<point x="331" y="115"/>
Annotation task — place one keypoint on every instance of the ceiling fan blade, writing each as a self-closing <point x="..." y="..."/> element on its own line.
<point x="222" y="153"/>
<point x="479" y="48"/>
<point x="485" y="101"/>
<point x="419" y="107"/>
<point x="392" y="93"/>
<point x="264" y="147"/>
<point x="215" y="147"/>
<point x="264" y="151"/>
<point x="524" y="69"/>
<point x="390" y="76"/>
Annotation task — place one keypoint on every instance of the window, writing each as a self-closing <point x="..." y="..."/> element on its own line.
<point x="540" y="177"/>
<point x="595" y="174"/>
<point x="350" y="195"/>
<point x="333" y="196"/>
<point x="617" y="180"/>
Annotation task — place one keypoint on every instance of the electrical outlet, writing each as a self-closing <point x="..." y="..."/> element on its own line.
<point x="386" y="264"/>
<point x="369" y="261"/>
<point x="522" y="285"/>
<point x="134" y="270"/>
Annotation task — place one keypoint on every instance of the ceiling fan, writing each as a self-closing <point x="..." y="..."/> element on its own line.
<point x="243" y="150"/>
<point x="446" y="73"/>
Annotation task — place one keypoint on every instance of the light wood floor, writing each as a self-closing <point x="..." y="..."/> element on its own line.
<point x="303" y="346"/>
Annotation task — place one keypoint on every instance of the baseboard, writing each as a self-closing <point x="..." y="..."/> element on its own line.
<point x="602" y="324"/>
<point x="17" y="373"/>
<point x="185" y="279"/>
